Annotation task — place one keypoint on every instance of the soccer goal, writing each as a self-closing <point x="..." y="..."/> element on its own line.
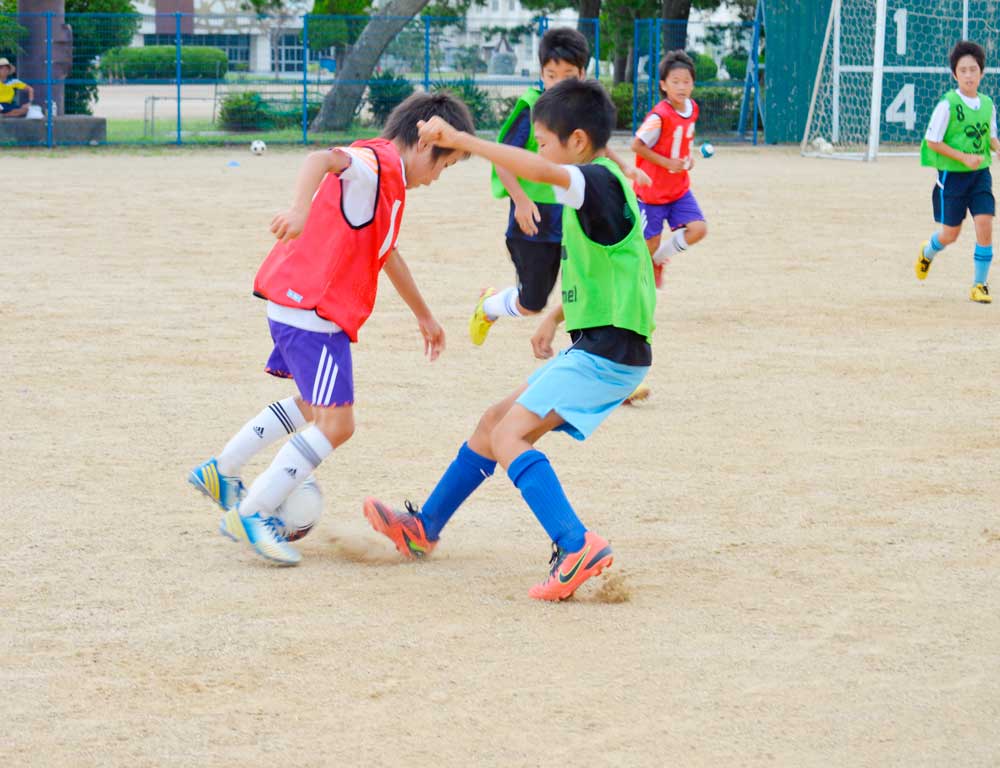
<point x="884" y="66"/>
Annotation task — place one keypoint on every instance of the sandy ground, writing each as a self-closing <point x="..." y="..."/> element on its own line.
<point x="804" y="515"/>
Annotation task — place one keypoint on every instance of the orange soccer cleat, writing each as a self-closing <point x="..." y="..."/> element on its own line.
<point x="404" y="529"/>
<point x="571" y="569"/>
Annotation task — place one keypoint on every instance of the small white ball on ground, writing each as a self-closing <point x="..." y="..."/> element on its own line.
<point x="303" y="508"/>
<point x="826" y="148"/>
<point x="258" y="147"/>
<point x="707" y="150"/>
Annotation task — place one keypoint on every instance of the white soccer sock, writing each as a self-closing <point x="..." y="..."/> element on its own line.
<point x="502" y="303"/>
<point x="676" y="244"/>
<point x="294" y="463"/>
<point x="277" y="420"/>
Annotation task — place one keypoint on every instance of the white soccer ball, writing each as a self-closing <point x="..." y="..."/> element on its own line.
<point x="826" y="148"/>
<point x="258" y="147"/>
<point x="302" y="509"/>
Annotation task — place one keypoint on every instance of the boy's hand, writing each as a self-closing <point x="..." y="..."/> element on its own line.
<point x="288" y="225"/>
<point x="437" y="131"/>
<point x="433" y="335"/>
<point x="541" y="342"/>
<point x="972" y="162"/>
<point x="638" y="176"/>
<point x="527" y="216"/>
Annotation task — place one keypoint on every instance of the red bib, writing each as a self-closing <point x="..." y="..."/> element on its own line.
<point x="332" y="267"/>
<point x="676" y="137"/>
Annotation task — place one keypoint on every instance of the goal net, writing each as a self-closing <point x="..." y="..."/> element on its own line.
<point x="883" y="68"/>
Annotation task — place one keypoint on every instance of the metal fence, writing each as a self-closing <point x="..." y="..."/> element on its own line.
<point x="192" y="78"/>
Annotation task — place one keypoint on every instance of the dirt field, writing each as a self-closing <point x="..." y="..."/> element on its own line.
<point x="804" y="515"/>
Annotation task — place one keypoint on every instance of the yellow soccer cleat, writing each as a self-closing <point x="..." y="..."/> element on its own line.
<point x="923" y="265"/>
<point x="981" y="292"/>
<point x="480" y="324"/>
<point x="638" y="395"/>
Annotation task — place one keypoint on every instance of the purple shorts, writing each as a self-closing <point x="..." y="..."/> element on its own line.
<point x="320" y="363"/>
<point x="677" y="214"/>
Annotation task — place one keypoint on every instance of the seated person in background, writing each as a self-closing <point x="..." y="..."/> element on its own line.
<point x="9" y="86"/>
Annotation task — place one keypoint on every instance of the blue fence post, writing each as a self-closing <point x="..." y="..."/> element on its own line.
<point x="427" y="53"/>
<point x="655" y="30"/>
<point x="597" y="49"/>
<point x="635" y="73"/>
<point x="305" y="79"/>
<point x="177" y="17"/>
<point x="49" y="140"/>
<point x="751" y="83"/>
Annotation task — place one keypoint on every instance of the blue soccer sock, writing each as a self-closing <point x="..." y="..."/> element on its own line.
<point x="463" y="476"/>
<point x="983" y="257"/>
<point x="538" y="484"/>
<point x="933" y="247"/>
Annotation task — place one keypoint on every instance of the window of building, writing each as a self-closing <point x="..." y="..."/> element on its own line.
<point x="286" y="55"/>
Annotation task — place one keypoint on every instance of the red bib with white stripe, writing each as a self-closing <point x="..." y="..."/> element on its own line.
<point x="676" y="137"/>
<point x="333" y="266"/>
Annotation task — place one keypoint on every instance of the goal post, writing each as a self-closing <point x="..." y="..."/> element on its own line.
<point x="883" y="68"/>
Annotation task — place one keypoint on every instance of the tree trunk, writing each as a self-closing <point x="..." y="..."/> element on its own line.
<point x="621" y="62"/>
<point x="341" y="102"/>
<point x="590" y="11"/>
<point x="675" y="16"/>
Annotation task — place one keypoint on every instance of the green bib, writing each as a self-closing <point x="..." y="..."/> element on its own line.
<point x="608" y="284"/>
<point x="540" y="193"/>
<point x="968" y="131"/>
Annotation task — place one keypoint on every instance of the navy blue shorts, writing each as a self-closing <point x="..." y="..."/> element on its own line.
<point x="957" y="192"/>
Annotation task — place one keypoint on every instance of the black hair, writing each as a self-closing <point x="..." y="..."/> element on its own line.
<point x="577" y="104"/>
<point x="967" y="48"/>
<point x="564" y="44"/>
<point x="676" y="60"/>
<point x="402" y="122"/>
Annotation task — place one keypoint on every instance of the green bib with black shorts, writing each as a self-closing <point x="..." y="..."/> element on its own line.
<point x="968" y="131"/>
<point x="608" y="284"/>
<point x="539" y="193"/>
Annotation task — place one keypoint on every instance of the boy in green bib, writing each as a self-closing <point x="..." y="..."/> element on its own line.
<point x="962" y="131"/>
<point x="608" y="301"/>
<point x="534" y="225"/>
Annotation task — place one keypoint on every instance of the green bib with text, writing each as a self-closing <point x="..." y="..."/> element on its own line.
<point x="608" y="284"/>
<point x="968" y="131"/>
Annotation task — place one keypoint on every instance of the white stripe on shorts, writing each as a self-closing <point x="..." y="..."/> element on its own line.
<point x="319" y="373"/>
<point x="326" y="378"/>
<point x="333" y="379"/>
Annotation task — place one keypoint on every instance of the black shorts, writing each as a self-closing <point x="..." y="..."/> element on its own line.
<point x="8" y="107"/>
<point x="957" y="192"/>
<point x="537" y="266"/>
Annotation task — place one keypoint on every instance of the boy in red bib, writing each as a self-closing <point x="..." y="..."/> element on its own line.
<point x="663" y="150"/>
<point x="320" y="282"/>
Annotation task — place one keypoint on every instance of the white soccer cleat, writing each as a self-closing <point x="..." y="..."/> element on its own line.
<point x="263" y="535"/>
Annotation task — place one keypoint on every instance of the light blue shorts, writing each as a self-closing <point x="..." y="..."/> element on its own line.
<point x="582" y="388"/>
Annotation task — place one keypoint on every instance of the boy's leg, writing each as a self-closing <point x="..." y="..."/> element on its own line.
<point x="279" y="419"/>
<point x="687" y="224"/>
<point x="415" y="532"/>
<point x="322" y="368"/>
<point x="983" y="258"/>
<point x="578" y="553"/>
<point x="652" y="218"/>
<point x="537" y="266"/>
<point x="949" y="212"/>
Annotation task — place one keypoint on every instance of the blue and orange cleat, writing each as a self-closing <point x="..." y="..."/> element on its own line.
<point x="224" y="490"/>
<point x="404" y="529"/>
<point x="570" y="569"/>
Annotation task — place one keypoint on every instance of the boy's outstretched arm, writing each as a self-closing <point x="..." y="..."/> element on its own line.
<point x="406" y="287"/>
<point x="520" y="162"/>
<point x="525" y="211"/>
<point x="288" y="224"/>
<point x="637" y="175"/>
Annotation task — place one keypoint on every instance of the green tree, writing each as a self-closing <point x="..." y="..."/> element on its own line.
<point x="93" y="36"/>
<point x="11" y="33"/>
<point x="337" y="34"/>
